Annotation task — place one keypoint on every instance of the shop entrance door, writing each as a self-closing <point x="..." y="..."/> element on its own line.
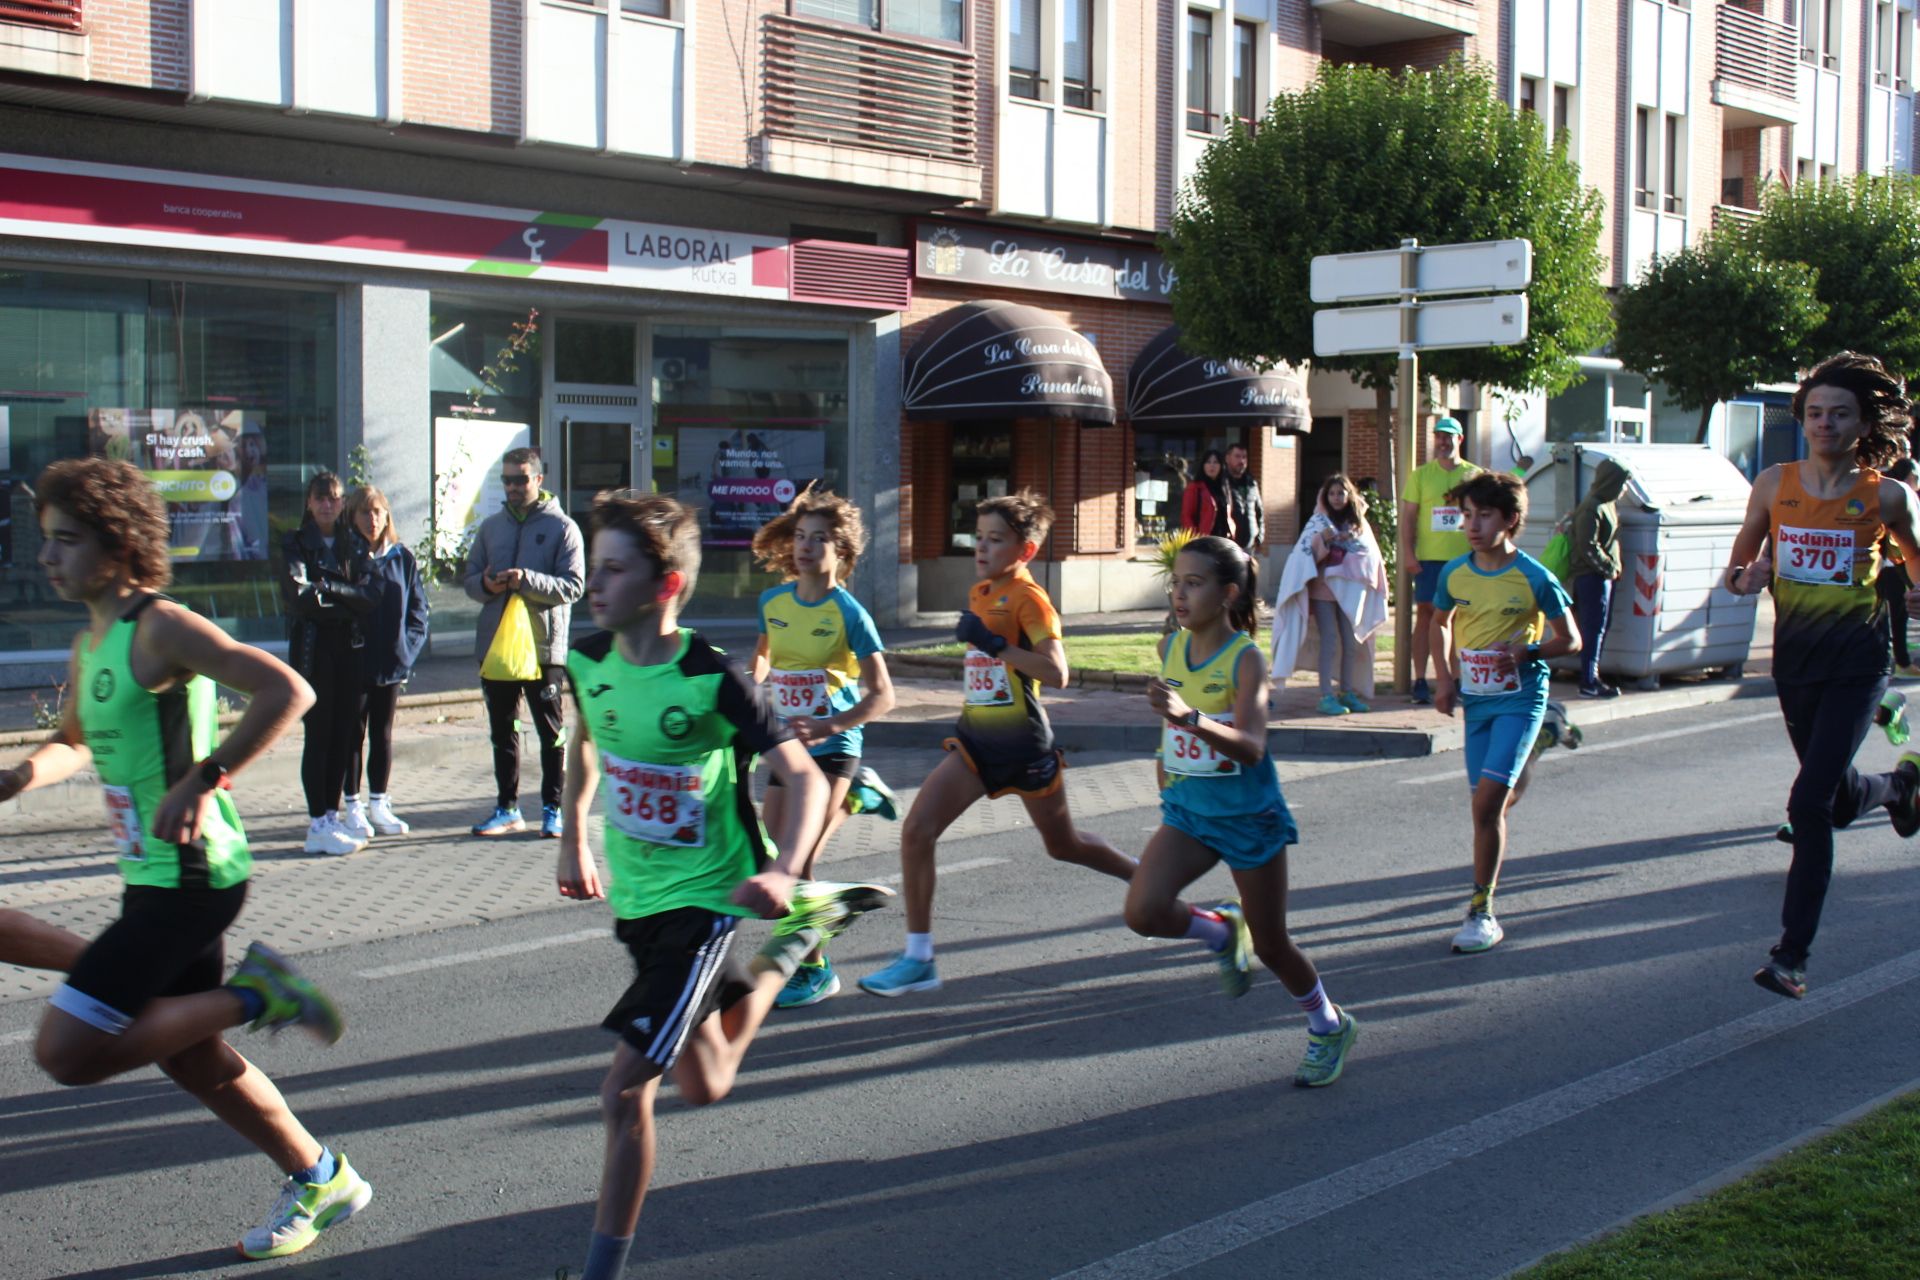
<point x="604" y="449"/>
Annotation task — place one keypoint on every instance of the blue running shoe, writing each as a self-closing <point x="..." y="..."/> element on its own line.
<point x="551" y="823"/>
<point x="810" y="984"/>
<point x="1422" y="695"/>
<point x="870" y="795"/>
<point x="902" y="976"/>
<point x="504" y="822"/>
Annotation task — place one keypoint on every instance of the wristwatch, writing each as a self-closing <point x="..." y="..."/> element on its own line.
<point x="1533" y="653"/>
<point x="215" y="775"/>
<point x="1192" y="719"/>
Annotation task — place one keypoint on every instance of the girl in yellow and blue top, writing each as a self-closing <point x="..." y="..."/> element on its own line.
<point x="1220" y="799"/>
<point x="1494" y="607"/>
<point x="822" y="662"/>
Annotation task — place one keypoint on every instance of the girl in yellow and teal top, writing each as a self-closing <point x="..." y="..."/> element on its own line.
<point x="824" y="668"/>
<point x="1813" y="533"/>
<point x="1495" y="606"/>
<point x="1220" y="799"/>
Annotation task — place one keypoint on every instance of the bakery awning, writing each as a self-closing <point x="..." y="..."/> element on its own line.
<point x="1169" y="387"/>
<point x="1002" y="360"/>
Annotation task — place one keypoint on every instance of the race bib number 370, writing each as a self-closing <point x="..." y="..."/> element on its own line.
<point x="658" y="803"/>
<point x="1820" y="556"/>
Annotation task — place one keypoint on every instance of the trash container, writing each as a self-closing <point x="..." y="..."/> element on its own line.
<point x="1679" y="515"/>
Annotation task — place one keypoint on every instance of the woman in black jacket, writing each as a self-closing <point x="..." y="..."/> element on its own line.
<point x="396" y="632"/>
<point x="326" y="582"/>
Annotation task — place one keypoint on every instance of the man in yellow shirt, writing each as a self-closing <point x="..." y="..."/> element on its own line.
<point x="1430" y="535"/>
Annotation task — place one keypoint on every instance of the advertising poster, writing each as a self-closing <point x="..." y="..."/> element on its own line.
<point x="6" y="490"/>
<point x="209" y="464"/>
<point x="466" y="470"/>
<point x="743" y="476"/>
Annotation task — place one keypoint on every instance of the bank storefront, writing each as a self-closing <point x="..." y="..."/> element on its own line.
<point x="272" y="330"/>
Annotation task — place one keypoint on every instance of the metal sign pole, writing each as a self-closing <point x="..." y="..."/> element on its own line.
<point x="1409" y="408"/>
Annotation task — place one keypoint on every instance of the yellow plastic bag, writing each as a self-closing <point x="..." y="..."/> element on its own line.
<point x="513" y="654"/>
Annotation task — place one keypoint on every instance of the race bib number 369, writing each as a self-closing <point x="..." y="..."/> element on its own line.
<point x="1820" y="556"/>
<point x="658" y="803"/>
<point x="798" y="693"/>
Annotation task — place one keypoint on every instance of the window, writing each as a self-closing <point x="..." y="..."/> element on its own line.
<point x="1643" y="144"/>
<point x="648" y="8"/>
<point x="1246" y="73"/>
<point x="1733" y="182"/>
<point x="1674" y="171"/>
<point x="1902" y="50"/>
<point x="1803" y="171"/>
<point x="929" y="19"/>
<point x="1820" y="33"/>
<point x="1883" y="41"/>
<point x="1200" y="114"/>
<point x="1023" y="48"/>
<point x="1529" y="95"/>
<point x="1562" y="113"/>
<point x="1077" y="38"/>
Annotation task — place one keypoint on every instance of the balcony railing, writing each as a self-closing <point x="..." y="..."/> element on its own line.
<point x="61" y="15"/>
<point x="1732" y="216"/>
<point x="832" y="84"/>
<point x="1757" y="53"/>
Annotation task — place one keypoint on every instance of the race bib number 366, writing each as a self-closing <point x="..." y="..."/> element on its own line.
<point x="987" y="684"/>
<point x="658" y="803"/>
<point x="1820" y="556"/>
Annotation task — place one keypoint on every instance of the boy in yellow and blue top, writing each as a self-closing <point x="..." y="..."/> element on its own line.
<point x="813" y="651"/>
<point x="1495" y="606"/>
<point x="1431" y="534"/>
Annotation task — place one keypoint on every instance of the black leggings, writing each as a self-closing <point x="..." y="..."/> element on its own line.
<point x="376" y="732"/>
<point x="1893" y="585"/>
<point x="332" y="725"/>
<point x="1827" y="722"/>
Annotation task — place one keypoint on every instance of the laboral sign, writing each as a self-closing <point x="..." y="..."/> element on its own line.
<point x="151" y="207"/>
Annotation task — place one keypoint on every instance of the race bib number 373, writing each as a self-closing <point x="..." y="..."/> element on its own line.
<point x="658" y="803"/>
<point x="1480" y="672"/>
<point x="1820" y="556"/>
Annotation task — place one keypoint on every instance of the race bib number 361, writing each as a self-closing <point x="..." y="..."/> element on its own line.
<point x="658" y="803"/>
<point x="1185" y="752"/>
<point x="1820" y="556"/>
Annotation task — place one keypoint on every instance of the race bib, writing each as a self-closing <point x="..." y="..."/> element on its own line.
<point x="798" y="693"/>
<point x="987" y="683"/>
<point x="1185" y="752"/>
<point x="1823" y="557"/>
<point x="658" y="803"/>
<point x="123" y="821"/>
<point x="1445" y="520"/>
<point x="1477" y="673"/>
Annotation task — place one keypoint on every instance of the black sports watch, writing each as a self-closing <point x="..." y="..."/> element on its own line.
<point x="1191" y="719"/>
<point x="215" y="775"/>
<point x="1533" y="653"/>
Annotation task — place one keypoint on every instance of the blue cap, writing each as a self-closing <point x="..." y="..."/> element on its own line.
<point x="1447" y="427"/>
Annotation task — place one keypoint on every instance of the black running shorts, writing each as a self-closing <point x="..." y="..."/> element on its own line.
<point x="167" y="942"/>
<point x="1036" y="777"/>
<point x="837" y="765"/>
<point x="685" y="968"/>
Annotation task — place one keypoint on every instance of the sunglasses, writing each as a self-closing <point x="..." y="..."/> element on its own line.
<point x="516" y="480"/>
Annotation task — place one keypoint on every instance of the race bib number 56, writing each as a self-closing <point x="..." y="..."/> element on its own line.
<point x="658" y="803"/>
<point x="1820" y="556"/>
<point x="1446" y="520"/>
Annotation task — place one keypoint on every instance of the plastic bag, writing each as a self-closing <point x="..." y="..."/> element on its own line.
<point x="1557" y="556"/>
<point x="513" y="654"/>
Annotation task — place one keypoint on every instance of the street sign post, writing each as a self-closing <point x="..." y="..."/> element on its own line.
<point x="1411" y="325"/>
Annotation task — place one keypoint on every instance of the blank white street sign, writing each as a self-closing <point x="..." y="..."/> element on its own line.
<point x="1438" y="325"/>
<point x="1441" y="268"/>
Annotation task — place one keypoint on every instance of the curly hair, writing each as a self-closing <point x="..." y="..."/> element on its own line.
<point x="1499" y="490"/>
<point x="1883" y="403"/>
<point x="121" y="506"/>
<point x="1025" y="512"/>
<point x="773" y="544"/>
<point x="666" y="532"/>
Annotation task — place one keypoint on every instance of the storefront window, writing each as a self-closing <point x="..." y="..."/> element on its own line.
<point x="228" y="394"/>
<point x="743" y="419"/>
<point x="1163" y="463"/>
<point x="982" y="468"/>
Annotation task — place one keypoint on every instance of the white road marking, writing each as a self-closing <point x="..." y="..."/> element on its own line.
<point x="1237" y="1228"/>
<point x="485" y="953"/>
<point x="16" y="1037"/>
<point x="947" y="869"/>
<point x="1460" y="774"/>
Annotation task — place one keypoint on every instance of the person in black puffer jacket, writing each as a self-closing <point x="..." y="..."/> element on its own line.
<point x="326" y="574"/>
<point x="396" y="633"/>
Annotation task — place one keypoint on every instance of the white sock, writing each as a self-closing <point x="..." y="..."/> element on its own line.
<point x="1209" y="928"/>
<point x="1322" y="1015"/>
<point x="349" y="802"/>
<point x="319" y="823"/>
<point x="377" y="797"/>
<point x="919" y="946"/>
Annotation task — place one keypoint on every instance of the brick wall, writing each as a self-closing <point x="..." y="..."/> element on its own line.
<point x="138" y="42"/>
<point x="1422" y="55"/>
<point x="461" y="64"/>
<point x="726" y="68"/>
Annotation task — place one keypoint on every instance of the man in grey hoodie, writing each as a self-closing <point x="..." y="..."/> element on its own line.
<point x="530" y="548"/>
<point x="1594" y="543"/>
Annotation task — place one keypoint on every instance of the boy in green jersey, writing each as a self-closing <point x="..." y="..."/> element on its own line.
<point x="672" y="727"/>
<point x="149" y="989"/>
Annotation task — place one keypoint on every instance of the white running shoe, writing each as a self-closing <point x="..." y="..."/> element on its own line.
<point x="1481" y="932"/>
<point x="326" y="835"/>
<point x="353" y="820"/>
<point x="380" y="813"/>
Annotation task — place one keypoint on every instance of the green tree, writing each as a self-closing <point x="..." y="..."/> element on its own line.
<point x="1358" y="161"/>
<point x="1715" y="319"/>
<point x="1863" y="238"/>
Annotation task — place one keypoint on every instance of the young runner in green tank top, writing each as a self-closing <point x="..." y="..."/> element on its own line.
<point x="150" y="989"/>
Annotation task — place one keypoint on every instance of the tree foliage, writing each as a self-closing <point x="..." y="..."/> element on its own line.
<point x="1358" y="161"/>
<point x="1715" y="319"/>
<point x="1862" y="236"/>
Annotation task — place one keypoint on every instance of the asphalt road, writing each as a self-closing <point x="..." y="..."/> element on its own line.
<point x="1078" y="1101"/>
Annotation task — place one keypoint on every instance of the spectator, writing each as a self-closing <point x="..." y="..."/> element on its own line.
<point x="1337" y="574"/>
<point x="396" y="632"/>
<point x="326" y="582"/>
<point x="1430" y="536"/>
<point x="1594" y="545"/>
<point x="1896" y="579"/>
<point x="1243" y="492"/>
<point x="532" y="549"/>
<point x="1204" y="504"/>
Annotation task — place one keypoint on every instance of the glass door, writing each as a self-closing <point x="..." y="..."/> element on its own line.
<point x="604" y="450"/>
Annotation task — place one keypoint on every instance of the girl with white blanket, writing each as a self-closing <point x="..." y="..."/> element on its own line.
<point x="1337" y="575"/>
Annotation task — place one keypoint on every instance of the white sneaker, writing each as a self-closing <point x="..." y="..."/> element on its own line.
<point x="325" y="835"/>
<point x="380" y="813"/>
<point x="1481" y="932"/>
<point x="353" y="820"/>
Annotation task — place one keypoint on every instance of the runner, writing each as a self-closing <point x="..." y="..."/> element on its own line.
<point x="148" y="989"/>
<point x="818" y="650"/>
<point x="1824" y="519"/>
<point x="1430" y="534"/>
<point x="32" y="943"/>
<point x="1505" y="601"/>
<point x="674" y="727"/>
<point x="1220" y="799"/>
<point x="1004" y="745"/>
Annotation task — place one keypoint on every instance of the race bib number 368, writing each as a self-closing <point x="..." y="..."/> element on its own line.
<point x="1820" y="556"/>
<point x="658" y="803"/>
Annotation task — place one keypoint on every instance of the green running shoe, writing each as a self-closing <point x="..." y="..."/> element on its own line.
<point x="304" y="1210"/>
<point x="291" y="999"/>
<point x="1236" y="958"/>
<point x="1891" y="715"/>
<point x="820" y="910"/>
<point x="1327" y="1054"/>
